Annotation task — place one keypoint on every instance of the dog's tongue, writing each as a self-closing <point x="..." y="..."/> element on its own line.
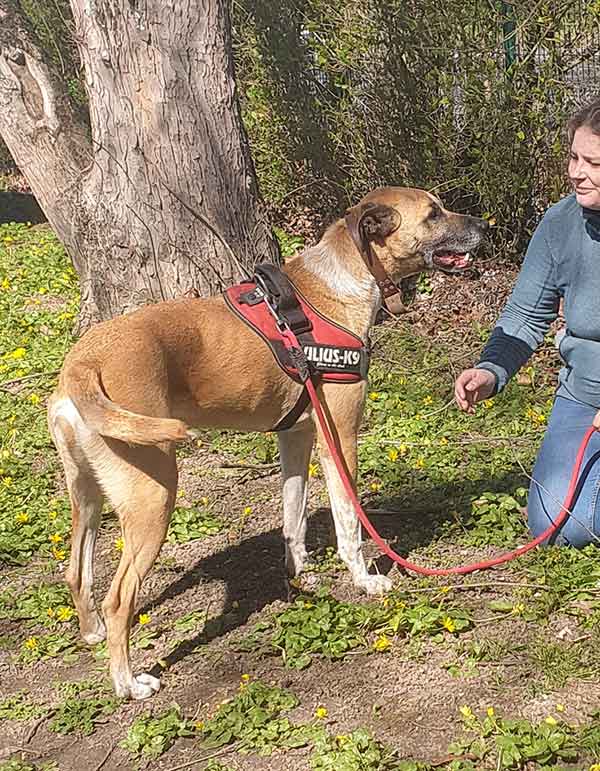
<point x="451" y="260"/>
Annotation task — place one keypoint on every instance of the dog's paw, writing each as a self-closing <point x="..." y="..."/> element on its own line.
<point x="143" y="686"/>
<point x="95" y="632"/>
<point x="375" y="584"/>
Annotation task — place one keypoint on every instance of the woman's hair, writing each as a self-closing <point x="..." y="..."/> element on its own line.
<point x="586" y="116"/>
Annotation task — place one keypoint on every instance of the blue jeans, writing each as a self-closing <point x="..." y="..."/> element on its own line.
<point x="567" y="425"/>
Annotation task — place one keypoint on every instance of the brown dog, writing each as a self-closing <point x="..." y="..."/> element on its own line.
<point x="131" y="387"/>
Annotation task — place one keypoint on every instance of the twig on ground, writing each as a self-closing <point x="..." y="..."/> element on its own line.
<point x="479" y="585"/>
<point x="106" y="756"/>
<point x="250" y="466"/>
<point x="33" y="730"/>
<point x="4" y="386"/>
<point x="218" y="754"/>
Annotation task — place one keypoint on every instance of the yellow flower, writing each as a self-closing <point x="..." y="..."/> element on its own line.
<point x="488" y="403"/>
<point x="490" y="712"/>
<point x="341" y="738"/>
<point x="18" y="353"/>
<point x="444" y="589"/>
<point x="58" y="554"/>
<point x="403" y="449"/>
<point x="374" y="486"/>
<point x="393" y="455"/>
<point x="559" y="707"/>
<point x="245" y="678"/>
<point x="204" y="500"/>
<point x="373" y="396"/>
<point x="428" y="400"/>
<point x="22" y="517"/>
<point x="382" y="643"/>
<point x="56" y="538"/>
<point x="5" y="454"/>
<point x="443" y="440"/>
<point x="144" y="618"/>
<point x="420" y="463"/>
<point x="199" y="725"/>
<point x="31" y="643"/>
<point x="551" y="720"/>
<point x="247" y="511"/>
<point x="466" y="712"/>
<point x="52" y="515"/>
<point x="313" y="469"/>
<point x="321" y="712"/>
<point x="5" y="283"/>
<point x="449" y="624"/>
<point x="7" y="481"/>
<point x="34" y="399"/>
<point x="518" y="609"/>
<point x="50" y="613"/>
<point x="65" y="614"/>
<point x="119" y="543"/>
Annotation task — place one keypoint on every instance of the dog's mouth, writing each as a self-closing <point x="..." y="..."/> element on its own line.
<point x="451" y="262"/>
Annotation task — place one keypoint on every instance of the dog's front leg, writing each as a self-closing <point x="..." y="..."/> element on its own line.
<point x="295" y="446"/>
<point x="344" y="418"/>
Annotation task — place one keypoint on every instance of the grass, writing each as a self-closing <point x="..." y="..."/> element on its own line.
<point x="456" y="484"/>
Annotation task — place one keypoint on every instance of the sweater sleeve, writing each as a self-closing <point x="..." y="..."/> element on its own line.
<point x="530" y="310"/>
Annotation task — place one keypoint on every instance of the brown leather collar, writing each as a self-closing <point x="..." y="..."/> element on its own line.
<point x="390" y="292"/>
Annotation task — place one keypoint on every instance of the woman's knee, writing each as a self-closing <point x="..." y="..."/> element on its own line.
<point x="576" y="531"/>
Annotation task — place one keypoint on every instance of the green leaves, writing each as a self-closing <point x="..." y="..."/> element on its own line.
<point x="357" y="751"/>
<point x="149" y="737"/>
<point x="323" y="626"/>
<point x="497" y="519"/>
<point x="82" y="714"/>
<point x="254" y="719"/>
<point x="189" y="524"/>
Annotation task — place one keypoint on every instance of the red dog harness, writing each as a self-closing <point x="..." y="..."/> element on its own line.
<point x="269" y="303"/>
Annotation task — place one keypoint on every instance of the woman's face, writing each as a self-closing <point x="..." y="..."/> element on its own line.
<point x="584" y="167"/>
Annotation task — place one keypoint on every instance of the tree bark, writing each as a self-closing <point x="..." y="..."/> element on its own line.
<point x="162" y="197"/>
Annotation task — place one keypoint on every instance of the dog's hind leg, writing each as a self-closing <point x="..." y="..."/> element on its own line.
<point x="142" y="483"/>
<point x="343" y="409"/>
<point x="295" y="446"/>
<point x="86" y="505"/>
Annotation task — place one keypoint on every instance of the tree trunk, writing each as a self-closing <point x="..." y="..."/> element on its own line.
<point x="163" y="198"/>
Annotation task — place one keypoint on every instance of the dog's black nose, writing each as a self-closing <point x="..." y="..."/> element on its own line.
<point x="483" y="225"/>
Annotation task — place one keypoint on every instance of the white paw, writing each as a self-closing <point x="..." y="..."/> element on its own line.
<point x="140" y="687"/>
<point x="144" y="686"/>
<point x="374" y="584"/>
<point x="95" y="633"/>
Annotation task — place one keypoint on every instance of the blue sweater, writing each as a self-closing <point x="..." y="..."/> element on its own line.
<point x="562" y="260"/>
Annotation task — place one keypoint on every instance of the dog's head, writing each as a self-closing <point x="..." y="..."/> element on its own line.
<point x="411" y="231"/>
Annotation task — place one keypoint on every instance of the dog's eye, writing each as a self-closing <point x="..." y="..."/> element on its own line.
<point x="435" y="213"/>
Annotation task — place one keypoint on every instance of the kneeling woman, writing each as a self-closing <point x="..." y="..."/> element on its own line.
<point x="562" y="261"/>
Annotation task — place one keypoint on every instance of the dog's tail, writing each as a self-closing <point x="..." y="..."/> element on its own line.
<point x="108" y="419"/>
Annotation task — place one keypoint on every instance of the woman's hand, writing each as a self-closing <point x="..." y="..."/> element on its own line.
<point x="474" y="385"/>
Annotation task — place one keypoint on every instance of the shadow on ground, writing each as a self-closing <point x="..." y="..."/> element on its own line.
<point x="253" y="569"/>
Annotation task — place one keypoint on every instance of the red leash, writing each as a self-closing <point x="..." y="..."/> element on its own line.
<point x="292" y="342"/>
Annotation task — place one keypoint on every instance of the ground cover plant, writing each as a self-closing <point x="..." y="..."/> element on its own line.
<point x="496" y="670"/>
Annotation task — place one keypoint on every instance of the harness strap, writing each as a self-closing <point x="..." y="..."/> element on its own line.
<point x="283" y="294"/>
<point x="290" y="419"/>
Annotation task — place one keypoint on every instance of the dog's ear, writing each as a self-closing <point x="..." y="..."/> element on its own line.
<point x="371" y="222"/>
